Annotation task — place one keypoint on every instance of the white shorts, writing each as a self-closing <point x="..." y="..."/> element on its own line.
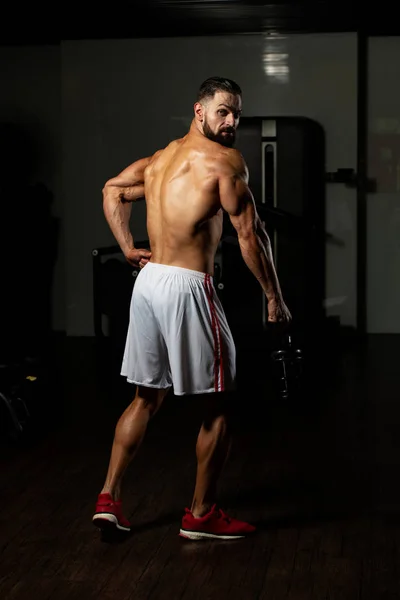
<point x="178" y="334"/>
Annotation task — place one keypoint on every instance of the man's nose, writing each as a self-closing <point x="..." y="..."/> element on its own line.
<point x="230" y="121"/>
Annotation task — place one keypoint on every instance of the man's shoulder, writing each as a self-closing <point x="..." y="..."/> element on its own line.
<point x="156" y="155"/>
<point x="171" y="146"/>
<point x="230" y="159"/>
<point x="233" y="155"/>
<point x="152" y="160"/>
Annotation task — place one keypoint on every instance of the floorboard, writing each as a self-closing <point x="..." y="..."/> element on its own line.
<point x="317" y="475"/>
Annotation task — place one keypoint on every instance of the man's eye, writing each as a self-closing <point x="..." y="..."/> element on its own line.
<point x="223" y="112"/>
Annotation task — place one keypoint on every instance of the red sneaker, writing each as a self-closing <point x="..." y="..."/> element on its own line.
<point x="108" y="514"/>
<point x="215" y="524"/>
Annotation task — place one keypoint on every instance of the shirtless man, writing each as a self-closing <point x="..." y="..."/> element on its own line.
<point x="178" y="335"/>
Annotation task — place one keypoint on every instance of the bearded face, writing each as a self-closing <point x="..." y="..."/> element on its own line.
<point x="221" y="118"/>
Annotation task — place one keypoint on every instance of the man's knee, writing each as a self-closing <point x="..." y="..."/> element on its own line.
<point x="149" y="399"/>
<point x="218" y="409"/>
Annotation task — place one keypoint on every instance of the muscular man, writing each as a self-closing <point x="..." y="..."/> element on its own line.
<point x="178" y="335"/>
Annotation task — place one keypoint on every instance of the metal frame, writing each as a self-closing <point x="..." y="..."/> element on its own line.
<point x="362" y="179"/>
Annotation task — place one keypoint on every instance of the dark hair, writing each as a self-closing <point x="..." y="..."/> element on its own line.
<point x="217" y="84"/>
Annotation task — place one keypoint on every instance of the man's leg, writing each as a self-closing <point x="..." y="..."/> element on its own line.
<point x="205" y="519"/>
<point x="129" y="434"/>
<point x="212" y="449"/>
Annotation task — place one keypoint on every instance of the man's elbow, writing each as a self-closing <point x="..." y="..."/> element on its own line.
<point x="247" y="234"/>
<point x="263" y="235"/>
<point x="105" y="192"/>
<point x="110" y="200"/>
<point x="108" y="187"/>
<point x="111" y="193"/>
<point x="249" y="242"/>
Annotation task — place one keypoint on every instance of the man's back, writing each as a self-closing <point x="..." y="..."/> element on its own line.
<point x="184" y="215"/>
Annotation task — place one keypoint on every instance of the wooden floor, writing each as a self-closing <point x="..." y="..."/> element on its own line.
<point x="318" y="476"/>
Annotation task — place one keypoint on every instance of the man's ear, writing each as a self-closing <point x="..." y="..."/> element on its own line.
<point x="199" y="111"/>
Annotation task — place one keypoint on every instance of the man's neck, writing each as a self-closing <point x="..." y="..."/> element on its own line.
<point x="196" y="128"/>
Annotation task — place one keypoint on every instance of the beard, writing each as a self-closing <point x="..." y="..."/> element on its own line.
<point x="224" y="140"/>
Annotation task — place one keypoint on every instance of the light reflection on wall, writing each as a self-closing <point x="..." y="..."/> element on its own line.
<point x="275" y="58"/>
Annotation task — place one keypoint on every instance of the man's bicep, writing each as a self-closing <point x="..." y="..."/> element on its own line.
<point x="131" y="175"/>
<point x="129" y="184"/>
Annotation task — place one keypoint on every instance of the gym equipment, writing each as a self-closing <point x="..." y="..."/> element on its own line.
<point x="21" y="401"/>
<point x="13" y="407"/>
<point x="287" y="368"/>
<point x="113" y="281"/>
<point x="111" y="272"/>
<point x="286" y="160"/>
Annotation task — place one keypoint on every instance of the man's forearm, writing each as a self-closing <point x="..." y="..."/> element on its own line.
<point x="118" y="215"/>
<point x="257" y="254"/>
<point x="266" y="242"/>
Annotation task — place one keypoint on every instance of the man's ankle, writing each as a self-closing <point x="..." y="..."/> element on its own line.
<point x="111" y="493"/>
<point x="200" y="510"/>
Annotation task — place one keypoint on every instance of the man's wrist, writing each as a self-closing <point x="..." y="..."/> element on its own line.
<point x="127" y="249"/>
<point x="274" y="297"/>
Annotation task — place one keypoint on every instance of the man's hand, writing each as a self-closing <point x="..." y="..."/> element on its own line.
<point x="138" y="257"/>
<point x="278" y="312"/>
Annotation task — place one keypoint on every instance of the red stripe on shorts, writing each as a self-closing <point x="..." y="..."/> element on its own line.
<point x="216" y="331"/>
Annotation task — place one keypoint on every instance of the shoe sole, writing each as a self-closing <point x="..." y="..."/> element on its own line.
<point x="201" y="535"/>
<point x="106" y="522"/>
